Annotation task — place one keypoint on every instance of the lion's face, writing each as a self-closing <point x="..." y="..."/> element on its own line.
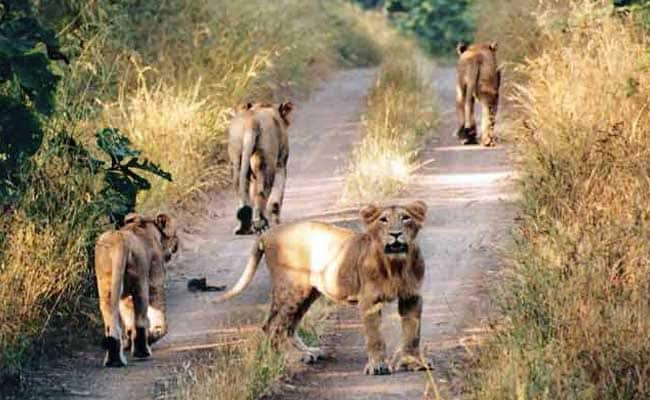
<point x="395" y="227"/>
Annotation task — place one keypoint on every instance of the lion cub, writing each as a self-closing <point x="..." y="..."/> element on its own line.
<point x="310" y="259"/>
<point x="477" y="77"/>
<point x="258" y="147"/>
<point x="130" y="279"/>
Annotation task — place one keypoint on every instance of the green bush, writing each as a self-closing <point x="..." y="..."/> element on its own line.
<point x="438" y="24"/>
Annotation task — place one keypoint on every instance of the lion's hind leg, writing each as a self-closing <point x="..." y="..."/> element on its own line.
<point x="109" y="270"/>
<point x="140" y="347"/>
<point x="288" y="306"/>
<point x="277" y="194"/>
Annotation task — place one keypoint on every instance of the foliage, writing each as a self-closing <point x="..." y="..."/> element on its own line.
<point x="438" y="24"/>
<point x="122" y="183"/>
<point x="369" y="3"/>
<point x="27" y="86"/>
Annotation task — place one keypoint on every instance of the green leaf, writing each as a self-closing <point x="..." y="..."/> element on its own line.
<point x="115" y="144"/>
<point x="148" y="166"/>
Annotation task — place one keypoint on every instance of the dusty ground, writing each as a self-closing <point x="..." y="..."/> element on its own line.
<point x="469" y="196"/>
<point x="467" y="191"/>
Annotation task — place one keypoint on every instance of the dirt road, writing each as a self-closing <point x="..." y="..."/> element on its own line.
<point x="469" y="196"/>
<point x="323" y="132"/>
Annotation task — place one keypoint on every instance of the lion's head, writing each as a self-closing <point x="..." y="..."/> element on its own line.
<point x="394" y="227"/>
<point x="165" y="225"/>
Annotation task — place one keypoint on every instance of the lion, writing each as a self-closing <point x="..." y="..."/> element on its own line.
<point x="310" y="259"/>
<point x="130" y="280"/>
<point x="258" y="148"/>
<point x="477" y="77"/>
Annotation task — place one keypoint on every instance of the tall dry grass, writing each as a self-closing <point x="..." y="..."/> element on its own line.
<point x="165" y="74"/>
<point x="401" y="112"/>
<point x="576" y="293"/>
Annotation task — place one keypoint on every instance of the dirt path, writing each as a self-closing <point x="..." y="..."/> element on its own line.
<point x="470" y="210"/>
<point x="323" y="133"/>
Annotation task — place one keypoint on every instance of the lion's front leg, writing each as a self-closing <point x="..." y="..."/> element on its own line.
<point x="371" y="317"/>
<point x="408" y="355"/>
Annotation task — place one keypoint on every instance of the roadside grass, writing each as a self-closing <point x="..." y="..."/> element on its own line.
<point x="166" y="74"/>
<point x="574" y="296"/>
<point x="242" y="372"/>
<point x="401" y="111"/>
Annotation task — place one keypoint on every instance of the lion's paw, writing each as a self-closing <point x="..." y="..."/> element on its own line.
<point x="114" y="355"/>
<point x="260" y="225"/>
<point x="245" y="216"/>
<point x="410" y="363"/>
<point x="377" y="368"/>
<point x="311" y="357"/>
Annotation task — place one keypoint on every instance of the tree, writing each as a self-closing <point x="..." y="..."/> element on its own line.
<point x="438" y="24"/>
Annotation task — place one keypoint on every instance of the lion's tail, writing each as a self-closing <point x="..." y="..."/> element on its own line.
<point x="249" y="141"/>
<point x="249" y="272"/>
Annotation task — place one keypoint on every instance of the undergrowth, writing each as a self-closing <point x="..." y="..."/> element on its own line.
<point x="574" y="300"/>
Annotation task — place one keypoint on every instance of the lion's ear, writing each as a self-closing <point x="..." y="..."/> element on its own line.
<point x="418" y="209"/>
<point x="461" y="47"/>
<point x="164" y="223"/>
<point x="369" y="213"/>
<point x="132" y="217"/>
<point x="285" y="109"/>
<point x="494" y="46"/>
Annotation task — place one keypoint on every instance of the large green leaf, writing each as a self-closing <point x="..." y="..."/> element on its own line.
<point x="122" y="182"/>
<point x="116" y="145"/>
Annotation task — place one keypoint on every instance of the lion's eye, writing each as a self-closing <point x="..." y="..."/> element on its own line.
<point x="406" y="218"/>
<point x="383" y="220"/>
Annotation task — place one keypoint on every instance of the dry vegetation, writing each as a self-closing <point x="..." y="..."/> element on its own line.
<point x="401" y="111"/>
<point x="240" y="372"/>
<point x="575" y="296"/>
<point x="169" y="86"/>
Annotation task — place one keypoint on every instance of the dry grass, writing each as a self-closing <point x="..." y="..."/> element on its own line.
<point x="166" y="74"/>
<point x="243" y="372"/>
<point x="575" y="299"/>
<point x="400" y="112"/>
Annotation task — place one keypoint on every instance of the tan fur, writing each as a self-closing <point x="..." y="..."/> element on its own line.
<point x="129" y="267"/>
<point x="477" y="77"/>
<point x="258" y="147"/>
<point x="309" y="259"/>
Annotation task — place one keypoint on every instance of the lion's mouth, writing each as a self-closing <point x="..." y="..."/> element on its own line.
<point x="396" y="248"/>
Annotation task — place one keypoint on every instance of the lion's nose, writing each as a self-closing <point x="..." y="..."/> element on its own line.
<point x="396" y="235"/>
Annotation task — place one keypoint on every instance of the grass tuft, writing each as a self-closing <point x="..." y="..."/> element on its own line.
<point x="400" y="113"/>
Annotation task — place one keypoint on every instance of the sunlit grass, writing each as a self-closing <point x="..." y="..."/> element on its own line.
<point x="401" y="112"/>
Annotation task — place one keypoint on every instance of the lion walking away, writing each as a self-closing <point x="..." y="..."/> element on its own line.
<point x="258" y="147"/>
<point x="477" y="77"/>
<point x="130" y="280"/>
